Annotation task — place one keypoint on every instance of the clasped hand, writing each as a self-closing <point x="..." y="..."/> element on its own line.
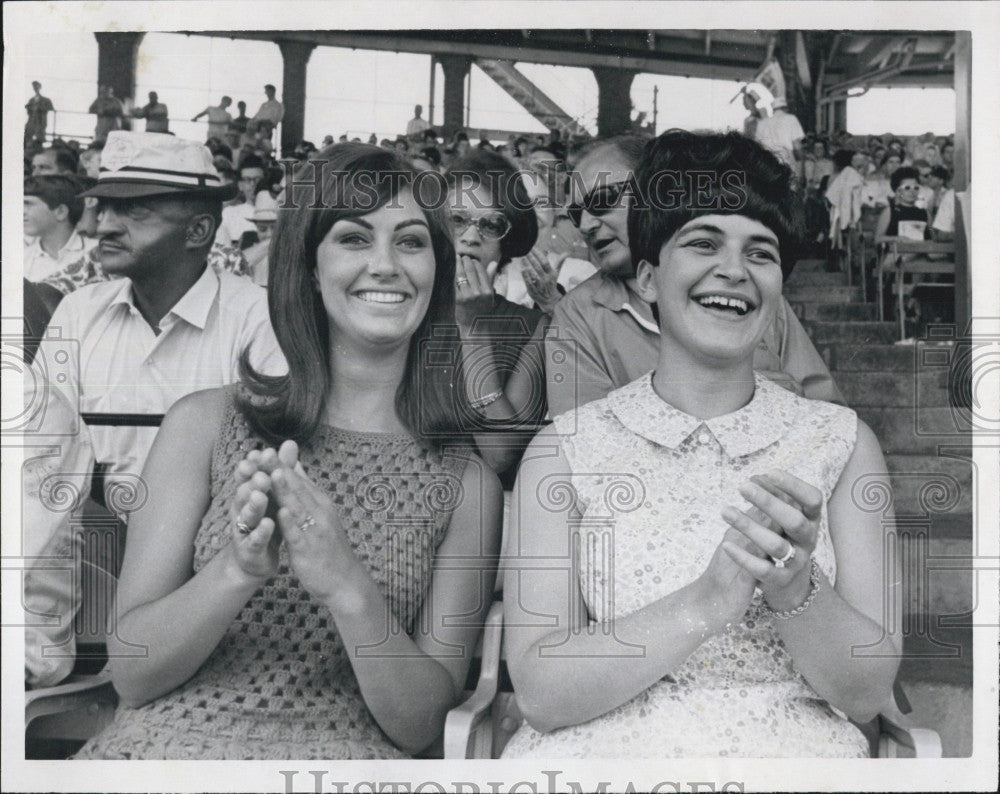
<point x="276" y="501"/>
<point x="474" y="293"/>
<point x="769" y="546"/>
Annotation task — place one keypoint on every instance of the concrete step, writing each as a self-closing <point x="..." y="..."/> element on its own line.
<point x="943" y="655"/>
<point x="855" y="332"/>
<point x="810" y="265"/>
<point x="834" y="312"/>
<point x="937" y="586"/>
<point x="814" y="294"/>
<point x="816" y="278"/>
<point x="884" y="389"/>
<point x="914" y="430"/>
<point x="930" y="484"/>
<point x="849" y="356"/>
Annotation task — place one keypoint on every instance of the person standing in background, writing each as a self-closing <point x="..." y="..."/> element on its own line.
<point x="155" y="113"/>
<point x="109" y="111"/>
<point x="416" y="126"/>
<point x="218" y="118"/>
<point x="38" y="108"/>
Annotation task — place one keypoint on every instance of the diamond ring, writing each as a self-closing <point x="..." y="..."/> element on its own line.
<point x="789" y="556"/>
<point x="306" y="523"/>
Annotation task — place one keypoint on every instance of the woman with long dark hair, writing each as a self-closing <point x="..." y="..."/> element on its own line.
<point x="284" y="575"/>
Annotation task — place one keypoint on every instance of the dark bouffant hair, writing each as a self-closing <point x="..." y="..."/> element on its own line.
<point x="503" y="182"/>
<point x="684" y="174"/>
<point x="902" y="173"/>
<point x="842" y="158"/>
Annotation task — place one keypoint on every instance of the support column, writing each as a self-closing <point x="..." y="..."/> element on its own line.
<point x="294" y="57"/>
<point x="116" y="61"/>
<point x="962" y="176"/>
<point x="614" y="103"/>
<point x="456" y="69"/>
<point x="840" y="114"/>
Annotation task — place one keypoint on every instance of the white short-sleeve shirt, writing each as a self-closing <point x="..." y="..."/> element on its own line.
<point x="106" y="358"/>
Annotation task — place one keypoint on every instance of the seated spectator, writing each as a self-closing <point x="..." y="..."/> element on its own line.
<point x="168" y="325"/>
<point x="844" y="195"/>
<point x="560" y="259"/>
<point x="816" y="165"/>
<point x="925" y="195"/>
<point x="877" y="190"/>
<point x="265" y="217"/>
<point x="90" y="161"/>
<point x="55" y="160"/>
<point x="943" y="228"/>
<point x="325" y="626"/>
<point x="937" y="182"/>
<point x="237" y="213"/>
<point x="903" y="218"/>
<point x="708" y="568"/>
<point x="905" y="183"/>
<point x="610" y="331"/>
<point x="55" y="479"/>
<point x="52" y="210"/>
<point x="948" y="155"/>
<point x="432" y="155"/>
<point x="40" y="301"/>
<point x="493" y="222"/>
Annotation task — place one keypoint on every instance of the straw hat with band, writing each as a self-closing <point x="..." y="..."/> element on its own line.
<point x="140" y="164"/>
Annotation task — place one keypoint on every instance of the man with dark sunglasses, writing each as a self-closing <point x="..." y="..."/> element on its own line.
<point x="609" y="330"/>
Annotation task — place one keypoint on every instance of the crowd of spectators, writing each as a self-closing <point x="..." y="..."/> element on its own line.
<point x="161" y="247"/>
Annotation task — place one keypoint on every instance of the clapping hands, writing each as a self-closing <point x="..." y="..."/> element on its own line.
<point x="781" y="530"/>
<point x="541" y="274"/>
<point x="276" y="501"/>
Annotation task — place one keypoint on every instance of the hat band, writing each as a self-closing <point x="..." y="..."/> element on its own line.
<point x="131" y="173"/>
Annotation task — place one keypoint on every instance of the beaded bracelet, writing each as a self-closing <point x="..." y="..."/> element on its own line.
<point x="814" y="585"/>
<point x="488" y="399"/>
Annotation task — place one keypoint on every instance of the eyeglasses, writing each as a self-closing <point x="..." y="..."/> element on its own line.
<point x="598" y="202"/>
<point x="492" y="226"/>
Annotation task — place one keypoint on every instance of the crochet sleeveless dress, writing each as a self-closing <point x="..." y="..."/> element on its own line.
<point x="651" y="524"/>
<point x="279" y="685"/>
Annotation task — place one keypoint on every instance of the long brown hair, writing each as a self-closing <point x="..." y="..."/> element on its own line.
<point x="352" y="179"/>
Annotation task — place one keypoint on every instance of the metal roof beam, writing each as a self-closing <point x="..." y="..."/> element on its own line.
<point x="875" y="54"/>
<point x="387" y="41"/>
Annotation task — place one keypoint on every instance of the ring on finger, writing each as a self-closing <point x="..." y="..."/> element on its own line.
<point x="243" y="527"/>
<point x="306" y="523"/>
<point x="789" y="556"/>
<point x="461" y="281"/>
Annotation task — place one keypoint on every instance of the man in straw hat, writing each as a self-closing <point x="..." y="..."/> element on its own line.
<point x="169" y="324"/>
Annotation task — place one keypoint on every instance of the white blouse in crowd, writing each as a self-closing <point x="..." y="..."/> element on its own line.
<point x="651" y="482"/>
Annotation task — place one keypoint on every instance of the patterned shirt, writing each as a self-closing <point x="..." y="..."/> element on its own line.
<point x="88" y="270"/>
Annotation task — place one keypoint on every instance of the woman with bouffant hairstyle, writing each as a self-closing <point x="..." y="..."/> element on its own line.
<point x="284" y="575"/>
<point x="721" y="574"/>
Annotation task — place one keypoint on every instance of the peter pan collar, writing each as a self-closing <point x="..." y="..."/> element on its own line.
<point x="764" y="420"/>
